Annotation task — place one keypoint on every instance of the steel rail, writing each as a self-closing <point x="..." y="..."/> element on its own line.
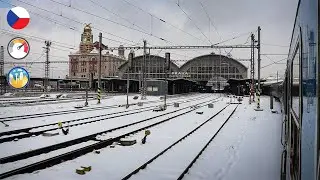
<point x="31" y="134"/>
<point x="203" y="149"/>
<point x="143" y="166"/>
<point x="84" y="150"/>
<point x="29" y="116"/>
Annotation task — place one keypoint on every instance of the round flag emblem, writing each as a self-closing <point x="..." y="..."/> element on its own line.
<point x="18" y="48"/>
<point x="18" y="77"/>
<point x="18" y="18"/>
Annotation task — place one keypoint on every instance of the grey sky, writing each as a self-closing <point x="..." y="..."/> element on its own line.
<point x="229" y="17"/>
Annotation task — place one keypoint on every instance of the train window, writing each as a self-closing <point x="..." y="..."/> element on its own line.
<point x="295" y="83"/>
<point x="295" y="151"/>
<point x="295" y="113"/>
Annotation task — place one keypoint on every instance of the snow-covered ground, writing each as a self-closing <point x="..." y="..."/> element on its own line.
<point x="119" y="122"/>
<point x="24" y="123"/>
<point x="112" y="100"/>
<point x="23" y="145"/>
<point x="248" y="146"/>
<point x="15" y="111"/>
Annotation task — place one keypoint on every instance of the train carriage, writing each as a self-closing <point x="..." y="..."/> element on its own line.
<point x="300" y="159"/>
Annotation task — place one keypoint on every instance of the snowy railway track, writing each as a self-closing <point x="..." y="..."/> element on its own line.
<point x="37" y="115"/>
<point x="7" y="136"/>
<point x="25" y="132"/>
<point x="183" y="139"/>
<point x="9" y="103"/>
<point x="86" y="149"/>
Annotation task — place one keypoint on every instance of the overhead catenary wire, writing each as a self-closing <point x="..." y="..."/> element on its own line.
<point x="38" y="53"/>
<point x="271" y="54"/>
<point x="81" y="23"/>
<point x="162" y="20"/>
<point x="109" y="20"/>
<point x="71" y="19"/>
<point x="34" y="38"/>
<point x="210" y="20"/>
<point x="96" y="28"/>
<point x="41" y="39"/>
<point x="238" y="36"/>
<point x="151" y="15"/>
<point x="276" y="45"/>
<point x="269" y="58"/>
<point x="275" y="62"/>
<point x="115" y="14"/>
<point x="37" y="59"/>
<point x="216" y="29"/>
<point x="193" y="23"/>
<point x="60" y="15"/>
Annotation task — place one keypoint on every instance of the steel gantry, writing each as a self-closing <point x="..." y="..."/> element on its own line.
<point x="182" y="47"/>
<point x="68" y="62"/>
<point x="145" y="48"/>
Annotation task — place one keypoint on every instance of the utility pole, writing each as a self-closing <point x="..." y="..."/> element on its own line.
<point x="130" y="60"/>
<point x="219" y="77"/>
<point x="99" y="68"/>
<point x="259" y="59"/>
<point x="47" y="66"/>
<point x="252" y="68"/>
<point x="167" y="68"/>
<point x="259" y="67"/>
<point x="143" y="96"/>
<point x="140" y="82"/>
<point x="277" y="76"/>
<point x="2" y="61"/>
<point x="2" y="81"/>
<point x="251" y="72"/>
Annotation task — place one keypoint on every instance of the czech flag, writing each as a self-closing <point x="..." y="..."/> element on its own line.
<point x="18" y="18"/>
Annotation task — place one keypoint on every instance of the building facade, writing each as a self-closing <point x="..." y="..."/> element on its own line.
<point x="155" y="68"/>
<point x="210" y="70"/>
<point x="83" y="64"/>
<point x="214" y="70"/>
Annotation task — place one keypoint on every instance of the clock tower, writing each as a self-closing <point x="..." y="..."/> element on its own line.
<point x="86" y="44"/>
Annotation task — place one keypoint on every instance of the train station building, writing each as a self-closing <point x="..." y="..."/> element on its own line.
<point x="207" y="70"/>
<point x="210" y="71"/>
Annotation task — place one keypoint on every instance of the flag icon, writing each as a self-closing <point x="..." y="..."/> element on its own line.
<point x="18" y="18"/>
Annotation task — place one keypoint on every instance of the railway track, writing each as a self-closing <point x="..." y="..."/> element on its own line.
<point x="181" y="140"/>
<point x="41" y="102"/>
<point x="84" y="150"/>
<point x="37" y="115"/>
<point x="26" y="132"/>
<point x="37" y="99"/>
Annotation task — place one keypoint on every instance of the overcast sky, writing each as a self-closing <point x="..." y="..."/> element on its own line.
<point x="131" y="21"/>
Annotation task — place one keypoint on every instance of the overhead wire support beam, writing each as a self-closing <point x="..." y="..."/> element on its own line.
<point x="186" y="47"/>
<point x="68" y="62"/>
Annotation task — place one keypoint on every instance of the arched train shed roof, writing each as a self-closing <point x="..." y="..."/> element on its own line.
<point x="152" y="57"/>
<point x="214" y="57"/>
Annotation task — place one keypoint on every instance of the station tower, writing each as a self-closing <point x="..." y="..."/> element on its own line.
<point x="86" y="44"/>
